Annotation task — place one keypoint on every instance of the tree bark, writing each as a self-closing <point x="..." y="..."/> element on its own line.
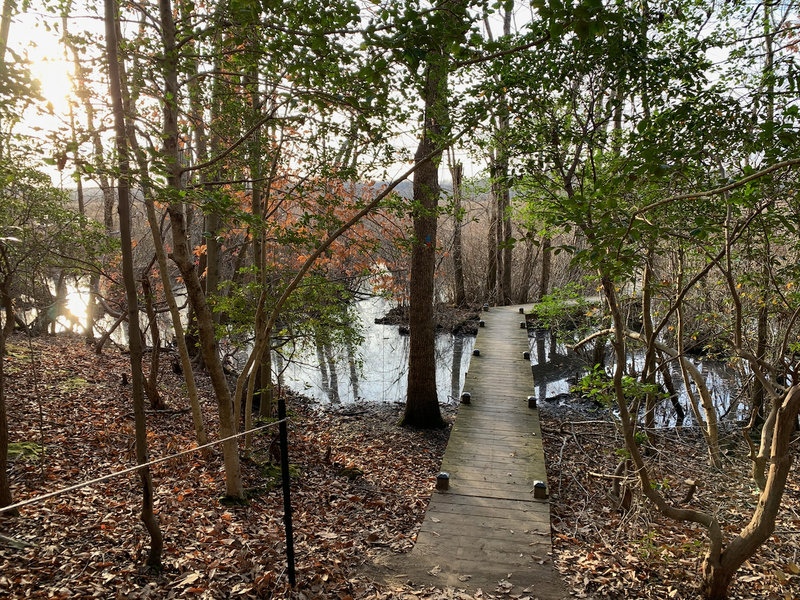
<point x="527" y="269"/>
<point x="134" y="335"/>
<point x="544" y="279"/>
<point x="456" y="174"/>
<point x="718" y="569"/>
<point x="182" y="258"/>
<point x="151" y="383"/>
<point x="649" y="368"/>
<point x="267" y="405"/>
<point x="422" y="403"/>
<point x="491" y="246"/>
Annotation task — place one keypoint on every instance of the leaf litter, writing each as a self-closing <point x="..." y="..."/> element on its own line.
<point x="603" y="551"/>
<point x="90" y="544"/>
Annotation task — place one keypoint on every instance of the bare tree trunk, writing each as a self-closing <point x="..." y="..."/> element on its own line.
<point x="182" y="258"/>
<point x="148" y="516"/>
<point x="544" y="279"/>
<point x="422" y="403"/>
<point x="151" y="383"/>
<point x="8" y="308"/>
<point x="334" y="377"/>
<point x="267" y="395"/>
<point x="504" y="212"/>
<point x="527" y="269"/>
<point x="456" y="174"/>
<point x="649" y="368"/>
<point x="719" y="567"/>
<point x="60" y="301"/>
<point x="323" y="367"/>
<point x="491" y="247"/>
<point x="497" y="196"/>
<point x="353" y="366"/>
<point x="508" y="246"/>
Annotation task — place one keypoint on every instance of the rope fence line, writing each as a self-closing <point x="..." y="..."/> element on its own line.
<point x="108" y="476"/>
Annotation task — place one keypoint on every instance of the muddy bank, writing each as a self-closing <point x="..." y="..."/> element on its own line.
<point x="446" y="318"/>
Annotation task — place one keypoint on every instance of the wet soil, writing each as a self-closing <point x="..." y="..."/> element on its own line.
<point x="446" y="318"/>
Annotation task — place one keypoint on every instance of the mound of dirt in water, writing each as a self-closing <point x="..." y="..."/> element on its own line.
<point x="447" y="318"/>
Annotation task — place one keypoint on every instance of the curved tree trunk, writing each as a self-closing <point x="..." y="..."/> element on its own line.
<point x="718" y="569"/>
<point x="134" y="335"/>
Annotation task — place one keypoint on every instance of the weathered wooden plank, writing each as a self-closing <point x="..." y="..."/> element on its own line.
<point x="488" y="525"/>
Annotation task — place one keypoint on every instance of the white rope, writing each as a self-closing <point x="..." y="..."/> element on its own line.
<point x="156" y="461"/>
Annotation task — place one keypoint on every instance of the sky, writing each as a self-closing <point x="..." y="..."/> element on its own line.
<point x="36" y="34"/>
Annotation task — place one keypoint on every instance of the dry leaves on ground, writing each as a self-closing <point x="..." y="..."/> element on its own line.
<point x="605" y="552"/>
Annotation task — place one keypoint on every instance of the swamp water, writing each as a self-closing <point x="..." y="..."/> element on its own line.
<point x="556" y="369"/>
<point x="374" y="371"/>
<point x="377" y="370"/>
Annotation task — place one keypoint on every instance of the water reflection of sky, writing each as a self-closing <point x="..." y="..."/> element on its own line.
<point x="383" y="370"/>
<point x="382" y="363"/>
<point x="555" y="370"/>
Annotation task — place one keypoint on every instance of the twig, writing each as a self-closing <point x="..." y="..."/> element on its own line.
<point x="605" y="476"/>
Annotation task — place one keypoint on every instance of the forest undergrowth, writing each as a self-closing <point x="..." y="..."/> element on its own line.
<point x="604" y="550"/>
<point x="360" y="487"/>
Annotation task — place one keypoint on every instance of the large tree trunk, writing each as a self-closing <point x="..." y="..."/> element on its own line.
<point x="182" y="258"/>
<point x="422" y="403"/>
<point x="134" y="335"/>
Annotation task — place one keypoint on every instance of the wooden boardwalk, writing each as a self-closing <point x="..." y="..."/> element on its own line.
<point x="487" y="530"/>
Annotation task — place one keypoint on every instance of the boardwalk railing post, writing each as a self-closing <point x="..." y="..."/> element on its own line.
<point x="287" y="501"/>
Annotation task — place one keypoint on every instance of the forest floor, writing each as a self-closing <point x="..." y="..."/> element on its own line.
<point x="90" y="543"/>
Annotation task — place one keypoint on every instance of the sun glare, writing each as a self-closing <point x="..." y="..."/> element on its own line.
<point x="40" y="42"/>
<point x="54" y="75"/>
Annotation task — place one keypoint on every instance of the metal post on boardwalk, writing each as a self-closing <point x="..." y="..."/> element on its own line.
<point x="287" y="501"/>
